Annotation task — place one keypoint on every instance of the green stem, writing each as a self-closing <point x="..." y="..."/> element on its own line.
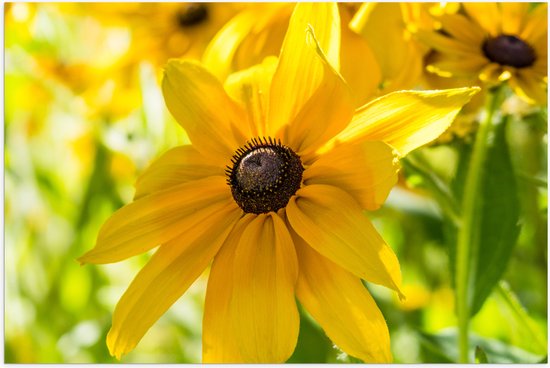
<point x="466" y="235"/>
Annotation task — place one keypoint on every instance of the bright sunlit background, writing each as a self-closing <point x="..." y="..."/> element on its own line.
<point x="84" y="115"/>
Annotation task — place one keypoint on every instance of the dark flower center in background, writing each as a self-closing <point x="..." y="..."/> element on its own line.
<point x="192" y="14"/>
<point x="509" y="50"/>
<point x="265" y="174"/>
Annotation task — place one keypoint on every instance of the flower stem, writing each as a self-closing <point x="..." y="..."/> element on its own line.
<point x="466" y="242"/>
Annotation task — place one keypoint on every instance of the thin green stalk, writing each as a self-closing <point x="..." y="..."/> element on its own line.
<point x="465" y="241"/>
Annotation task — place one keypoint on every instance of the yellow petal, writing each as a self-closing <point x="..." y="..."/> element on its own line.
<point x="366" y="170"/>
<point x="358" y="65"/>
<point x="158" y="218"/>
<point x="513" y="16"/>
<point x="199" y="103"/>
<point x="166" y="276"/>
<point x="325" y="114"/>
<point x="446" y="44"/>
<point x="267" y="35"/>
<point x="218" y="335"/>
<point x="400" y="64"/>
<point x="444" y="65"/>
<point x="263" y="307"/>
<point x="340" y="303"/>
<point x="221" y="50"/>
<point x="332" y="223"/>
<point x="486" y="15"/>
<point x="407" y="119"/>
<point x="459" y="27"/>
<point x="250" y="88"/>
<point x="300" y="71"/>
<point x="536" y="24"/>
<point x="530" y="87"/>
<point x="176" y="166"/>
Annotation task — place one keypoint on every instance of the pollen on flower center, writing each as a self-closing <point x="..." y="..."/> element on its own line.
<point x="264" y="175"/>
<point x="509" y="50"/>
<point x="192" y="14"/>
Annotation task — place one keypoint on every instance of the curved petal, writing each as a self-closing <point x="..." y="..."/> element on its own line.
<point x="366" y="170"/>
<point x="199" y="103"/>
<point x="528" y="86"/>
<point x="407" y="119"/>
<point x="332" y="223"/>
<point x="176" y="166"/>
<point x="487" y="15"/>
<point x="446" y="44"/>
<point x="358" y="65"/>
<point x="158" y="218"/>
<point x="218" y="335"/>
<point x="263" y="308"/>
<point x="536" y="24"/>
<point x="400" y="63"/>
<point x="221" y="50"/>
<point x="167" y="275"/>
<point x="300" y="72"/>
<point x="325" y="114"/>
<point x="513" y="16"/>
<point x="250" y="87"/>
<point x="461" y="28"/>
<point x="446" y="66"/>
<point x="340" y="303"/>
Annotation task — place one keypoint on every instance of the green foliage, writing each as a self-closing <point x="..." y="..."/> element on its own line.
<point x="496" y="217"/>
<point x="481" y="357"/>
<point x="442" y="347"/>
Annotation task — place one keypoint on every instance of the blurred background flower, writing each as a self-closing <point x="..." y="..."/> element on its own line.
<point x="84" y="116"/>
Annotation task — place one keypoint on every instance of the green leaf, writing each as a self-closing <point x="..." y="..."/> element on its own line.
<point x="446" y="347"/>
<point x="496" y="217"/>
<point x="481" y="357"/>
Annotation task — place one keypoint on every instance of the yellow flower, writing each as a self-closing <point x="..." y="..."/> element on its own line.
<point x="384" y="27"/>
<point x="272" y="190"/>
<point x="164" y="30"/>
<point x="497" y="43"/>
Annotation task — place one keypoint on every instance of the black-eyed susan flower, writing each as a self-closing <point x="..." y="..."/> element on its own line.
<point x="163" y="30"/>
<point x="495" y="43"/>
<point x="272" y="190"/>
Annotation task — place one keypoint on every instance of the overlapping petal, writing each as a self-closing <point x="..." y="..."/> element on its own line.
<point x="176" y="166"/>
<point x="536" y="25"/>
<point x="407" y="119"/>
<point x="400" y="64"/>
<point x="263" y="308"/>
<point x="332" y="103"/>
<point x="251" y="88"/>
<point x="158" y="218"/>
<point x="300" y="71"/>
<point x="359" y="66"/>
<point x="486" y="14"/>
<point x="366" y="170"/>
<point x="513" y="16"/>
<point x="461" y="28"/>
<point x="219" y="343"/>
<point x="201" y="106"/>
<point x="340" y="303"/>
<point x="166" y="276"/>
<point x="333" y="224"/>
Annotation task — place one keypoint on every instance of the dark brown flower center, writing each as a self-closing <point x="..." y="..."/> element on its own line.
<point x="192" y="14"/>
<point x="264" y="175"/>
<point x="509" y="50"/>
